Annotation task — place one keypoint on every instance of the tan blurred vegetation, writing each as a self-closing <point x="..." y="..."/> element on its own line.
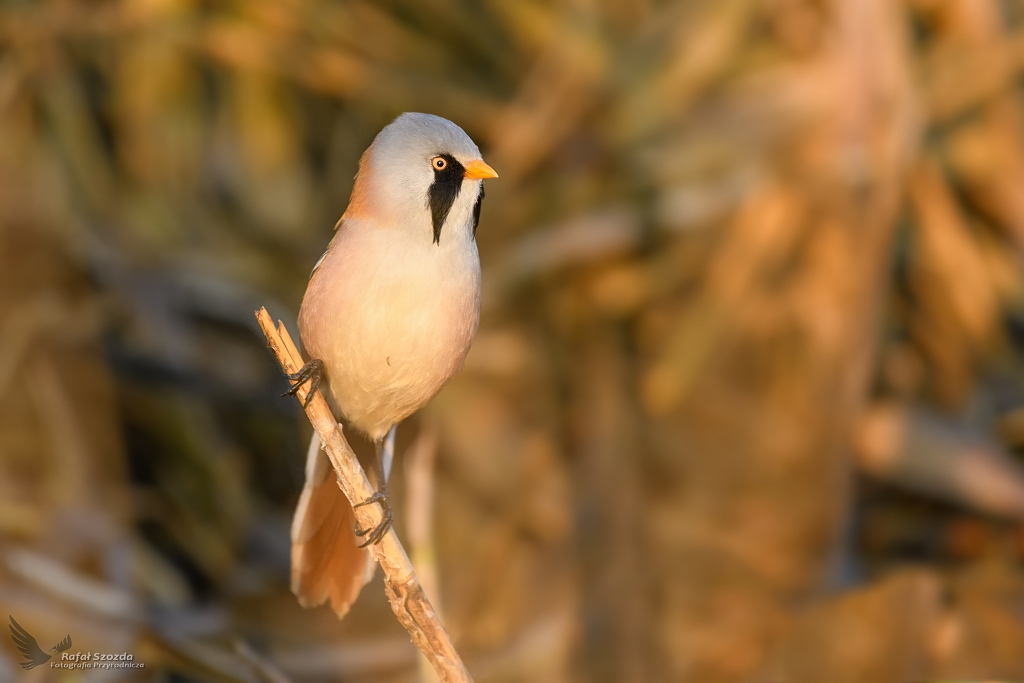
<point x="747" y="400"/>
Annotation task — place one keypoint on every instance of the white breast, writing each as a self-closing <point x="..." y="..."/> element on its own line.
<point x="391" y="315"/>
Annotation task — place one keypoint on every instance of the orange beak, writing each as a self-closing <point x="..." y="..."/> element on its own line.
<point x="478" y="170"/>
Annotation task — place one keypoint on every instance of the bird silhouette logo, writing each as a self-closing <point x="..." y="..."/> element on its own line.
<point x="27" y="645"/>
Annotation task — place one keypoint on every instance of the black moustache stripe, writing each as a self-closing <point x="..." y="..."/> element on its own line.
<point x="443" y="191"/>
<point x="476" y="209"/>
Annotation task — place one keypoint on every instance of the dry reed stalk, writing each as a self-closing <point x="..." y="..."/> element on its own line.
<point x="405" y="593"/>
<point x="419" y="504"/>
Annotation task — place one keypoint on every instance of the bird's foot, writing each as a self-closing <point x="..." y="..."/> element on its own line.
<point x="312" y="372"/>
<point x="375" y="534"/>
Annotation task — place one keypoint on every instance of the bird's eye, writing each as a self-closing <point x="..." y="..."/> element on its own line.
<point x="439" y="163"/>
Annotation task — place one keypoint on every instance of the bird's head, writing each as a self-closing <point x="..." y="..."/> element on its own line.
<point x="421" y="173"/>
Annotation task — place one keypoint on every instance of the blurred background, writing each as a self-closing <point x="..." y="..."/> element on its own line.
<point x="746" y="404"/>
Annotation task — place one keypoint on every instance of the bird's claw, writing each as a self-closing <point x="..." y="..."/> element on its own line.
<point x="312" y="372"/>
<point x="375" y="534"/>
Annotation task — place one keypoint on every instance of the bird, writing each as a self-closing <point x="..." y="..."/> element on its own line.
<point x="27" y="645"/>
<point x="388" y="316"/>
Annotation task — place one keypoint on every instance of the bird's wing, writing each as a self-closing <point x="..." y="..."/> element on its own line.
<point x="27" y="645"/>
<point x="327" y="563"/>
<point x="64" y="644"/>
<point x="316" y="267"/>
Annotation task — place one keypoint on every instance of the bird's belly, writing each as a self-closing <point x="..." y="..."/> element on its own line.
<point x="389" y="340"/>
<point x="381" y="372"/>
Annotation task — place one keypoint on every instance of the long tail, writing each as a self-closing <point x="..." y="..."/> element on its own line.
<point x="326" y="562"/>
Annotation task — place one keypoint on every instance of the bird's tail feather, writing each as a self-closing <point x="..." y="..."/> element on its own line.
<point x="327" y="564"/>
